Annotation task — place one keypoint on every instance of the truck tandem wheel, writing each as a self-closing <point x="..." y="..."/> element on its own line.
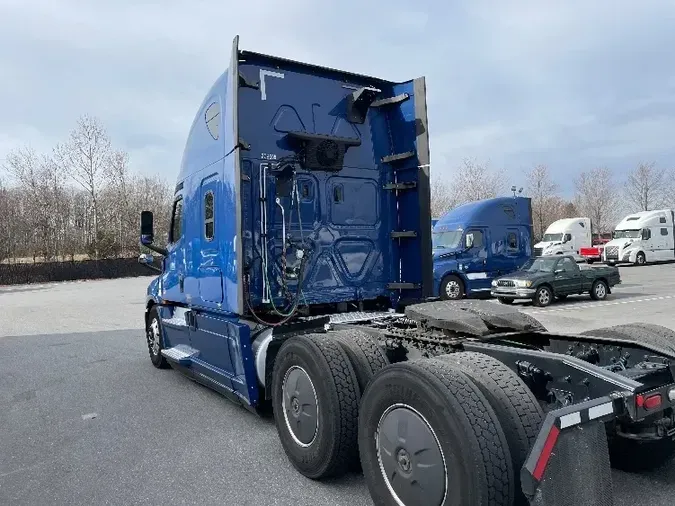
<point x="315" y="397"/>
<point x="515" y="405"/>
<point x="638" y="332"/>
<point x="425" y="424"/>
<point x="634" y="456"/>
<point x="366" y="356"/>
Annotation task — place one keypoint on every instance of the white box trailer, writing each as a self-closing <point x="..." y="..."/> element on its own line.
<point x="642" y="237"/>
<point x="565" y="236"/>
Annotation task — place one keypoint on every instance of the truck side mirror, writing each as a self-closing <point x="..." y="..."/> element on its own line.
<point x="148" y="234"/>
<point x="646" y="234"/>
<point x="147" y="228"/>
<point x="567" y="238"/>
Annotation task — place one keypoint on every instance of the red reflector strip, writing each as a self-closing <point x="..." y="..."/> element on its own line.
<point x="546" y="453"/>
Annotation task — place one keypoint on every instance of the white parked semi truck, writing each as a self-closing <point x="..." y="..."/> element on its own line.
<point x="642" y="237"/>
<point x="565" y="236"/>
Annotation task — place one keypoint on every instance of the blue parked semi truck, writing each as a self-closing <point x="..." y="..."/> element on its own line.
<point x="297" y="281"/>
<point x="479" y="241"/>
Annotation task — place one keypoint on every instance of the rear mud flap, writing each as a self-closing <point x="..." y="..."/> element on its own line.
<point x="569" y="462"/>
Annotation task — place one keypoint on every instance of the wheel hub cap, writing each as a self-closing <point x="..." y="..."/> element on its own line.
<point x="404" y="461"/>
<point x="410" y="458"/>
<point x="153" y="337"/>
<point x="452" y="289"/>
<point x="300" y="406"/>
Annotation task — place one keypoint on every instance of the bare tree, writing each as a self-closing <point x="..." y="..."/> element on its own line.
<point x="597" y="197"/>
<point x="476" y="181"/>
<point x="85" y="157"/>
<point x="42" y="184"/>
<point x="81" y="200"/>
<point x="6" y="217"/>
<point x="542" y="189"/>
<point x="441" y="197"/>
<point x="647" y="187"/>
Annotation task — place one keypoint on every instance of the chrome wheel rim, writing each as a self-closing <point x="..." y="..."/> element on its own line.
<point x="544" y="297"/>
<point x="452" y="289"/>
<point x="410" y="457"/>
<point x="600" y="290"/>
<point x="300" y="406"/>
<point x="153" y="336"/>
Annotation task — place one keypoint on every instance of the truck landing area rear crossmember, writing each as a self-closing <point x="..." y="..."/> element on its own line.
<point x="299" y="284"/>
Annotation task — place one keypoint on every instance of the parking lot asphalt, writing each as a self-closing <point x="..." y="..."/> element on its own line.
<point x="86" y="420"/>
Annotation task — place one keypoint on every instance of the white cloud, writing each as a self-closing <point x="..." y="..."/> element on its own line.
<point x="571" y="84"/>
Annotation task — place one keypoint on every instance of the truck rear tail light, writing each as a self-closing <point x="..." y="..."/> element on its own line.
<point x="671" y="395"/>
<point x="650" y="402"/>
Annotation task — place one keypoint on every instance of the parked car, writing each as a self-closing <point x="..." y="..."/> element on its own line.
<point x="545" y="279"/>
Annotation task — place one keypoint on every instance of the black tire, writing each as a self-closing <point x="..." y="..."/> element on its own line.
<point x="446" y="414"/>
<point x="543" y="297"/>
<point x="634" y="455"/>
<point x="154" y="340"/>
<point x="323" y="376"/>
<point x="365" y="354"/>
<point x="504" y="300"/>
<point x="640" y="258"/>
<point x="647" y="333"/>
<point x="518" y="410"/>
<point x="455" y="285"/>
<point x="599" y="290"/>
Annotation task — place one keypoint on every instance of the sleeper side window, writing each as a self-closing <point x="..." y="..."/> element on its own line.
<point x="212" y="118"/>
<point x="209" y="221"/>
<point x="664" y="231"/>
<point x="177" y="221"/>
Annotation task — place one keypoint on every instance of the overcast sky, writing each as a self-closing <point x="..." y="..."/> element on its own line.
<point x="569" y="83"/>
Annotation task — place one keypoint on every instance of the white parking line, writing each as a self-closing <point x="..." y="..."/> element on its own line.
<point x="590" y="305"/>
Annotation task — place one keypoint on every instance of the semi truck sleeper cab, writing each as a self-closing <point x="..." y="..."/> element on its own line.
<point x="298" y="279"/>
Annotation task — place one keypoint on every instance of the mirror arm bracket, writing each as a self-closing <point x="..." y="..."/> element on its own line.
<point x="156" y="249"/>
<point x="152" y="267"/>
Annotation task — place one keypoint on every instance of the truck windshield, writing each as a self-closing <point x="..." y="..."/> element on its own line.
<point x="449" y="239"/>
<point x="626" y="234"/>
<point x="539" y="264"/>
<point x="552" y="237"/>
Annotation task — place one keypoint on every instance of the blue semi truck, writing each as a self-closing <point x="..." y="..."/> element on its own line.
<point x="297" y="281"/>
<point x="479" y="241"/>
